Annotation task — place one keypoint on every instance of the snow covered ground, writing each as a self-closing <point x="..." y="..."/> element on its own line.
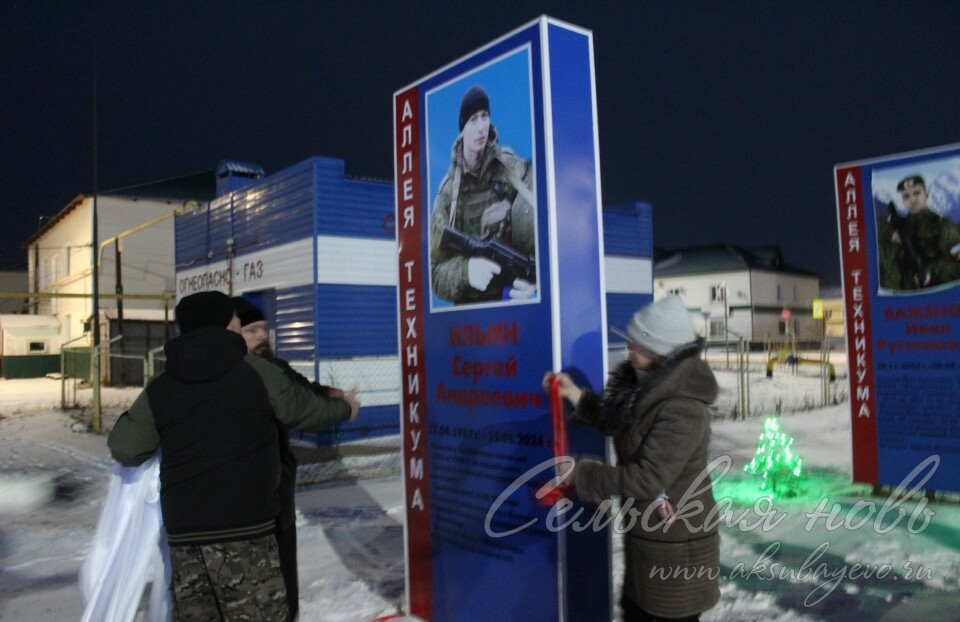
<point x="861" y="557"/>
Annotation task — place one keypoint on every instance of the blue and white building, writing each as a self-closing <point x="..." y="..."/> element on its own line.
<point x="627" y="260"/>
<point x="317" y="251"/>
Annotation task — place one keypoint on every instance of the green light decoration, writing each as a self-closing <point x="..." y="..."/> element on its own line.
<point x="778" y="467"/>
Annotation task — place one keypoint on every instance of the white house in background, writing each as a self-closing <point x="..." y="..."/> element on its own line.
<point x="741" y="293"/>
<point x="135" y="230"/>
<point x="13" y="281"/>
<point x="29" y="345"/>
<point x="23" y="335"/>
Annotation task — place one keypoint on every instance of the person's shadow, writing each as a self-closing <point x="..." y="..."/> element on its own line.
<point x="367" y="540"/>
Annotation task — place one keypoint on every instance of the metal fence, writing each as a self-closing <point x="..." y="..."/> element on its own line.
<point x="376" y="378"/>
<point x="756" y="380"/>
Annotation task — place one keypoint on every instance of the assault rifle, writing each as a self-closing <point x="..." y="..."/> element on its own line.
<point x="912" y="260"/>
<point x="513" y="264"/>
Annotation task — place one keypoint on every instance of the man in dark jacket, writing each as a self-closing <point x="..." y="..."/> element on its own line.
<point x="213" y="414"/>
<point x="256" y="334"/>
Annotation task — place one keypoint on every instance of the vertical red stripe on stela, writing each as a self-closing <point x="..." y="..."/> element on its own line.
<point x="856" y="293"/>
<point x="411" y="223"/>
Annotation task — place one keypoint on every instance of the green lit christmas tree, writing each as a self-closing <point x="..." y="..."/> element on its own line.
<point x="774" y="462"/>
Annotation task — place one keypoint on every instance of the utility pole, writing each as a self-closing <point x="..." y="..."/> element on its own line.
<point x="95" y="422"/>
<point x="726" y="326"/>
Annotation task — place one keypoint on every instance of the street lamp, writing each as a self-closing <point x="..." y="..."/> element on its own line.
<point x="706" y="312"/>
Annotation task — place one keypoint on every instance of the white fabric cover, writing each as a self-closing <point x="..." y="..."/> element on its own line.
<point x="129" y="550"/>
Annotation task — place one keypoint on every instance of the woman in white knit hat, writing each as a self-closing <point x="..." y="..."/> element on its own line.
<point x="655" y="408"/>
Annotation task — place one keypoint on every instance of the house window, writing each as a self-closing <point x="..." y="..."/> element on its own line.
<point x="796" y="294"/>
<point x="678" y="291"/>
<point x="716" y="331"/>
<point x="44" y="273"/>
<point x="779" y="293"/>
<point x="718" y="293"/>
<point x="38" y="346"/>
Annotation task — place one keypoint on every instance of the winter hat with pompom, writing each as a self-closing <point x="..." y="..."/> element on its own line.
<point x="661" y="327"/>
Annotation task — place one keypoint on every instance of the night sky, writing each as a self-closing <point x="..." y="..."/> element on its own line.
<point x="728" y="117"/>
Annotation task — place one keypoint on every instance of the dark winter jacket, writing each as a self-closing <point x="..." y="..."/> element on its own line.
<point x="214" y="415"/>
<point x="661" y="432"/>
<point x="288" y="460"/>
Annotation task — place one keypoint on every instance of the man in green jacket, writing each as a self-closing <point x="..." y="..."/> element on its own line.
<point x="215" y="415"/>
<point x="256" y="334"/>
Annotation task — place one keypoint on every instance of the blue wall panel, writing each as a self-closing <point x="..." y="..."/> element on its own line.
<point x="277" y="210"/>
<point x="191" y="236"/>
<point x="201" y="235"/>
<point x="221" y="226"/>
<point x="294" y="323"/>
<point x="355" y="209"/>
<point x="356" y="320"/>
<point x="621" y="307"/>
<point x="628" y="230"/>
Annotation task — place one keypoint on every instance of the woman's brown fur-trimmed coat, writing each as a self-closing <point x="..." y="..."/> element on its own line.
<point x="660" y="426"/>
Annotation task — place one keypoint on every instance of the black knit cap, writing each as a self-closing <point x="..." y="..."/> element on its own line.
<point x="246" y="311"/>
<point x="910" y="182"/>
<point x="474" y="100"/>
<point x="203" y="310"/>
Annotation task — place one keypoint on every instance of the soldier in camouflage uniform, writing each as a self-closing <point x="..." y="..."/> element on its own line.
<point x="215" y="413"/>
<point x="921" y="249"/>
<point x="486" y="193"/>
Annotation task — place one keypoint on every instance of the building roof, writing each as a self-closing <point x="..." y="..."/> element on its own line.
<point x="195" y="186"/>
<point x="831" y="291"/>
<point x="721" y="258"/>
<point x="247" y="169"/>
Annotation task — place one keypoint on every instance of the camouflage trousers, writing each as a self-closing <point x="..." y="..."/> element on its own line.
<point x="229" y="581"/>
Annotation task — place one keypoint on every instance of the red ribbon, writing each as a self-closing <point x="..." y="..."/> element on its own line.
<point x="555" y="492"/>
<point x="559" y="421"/>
